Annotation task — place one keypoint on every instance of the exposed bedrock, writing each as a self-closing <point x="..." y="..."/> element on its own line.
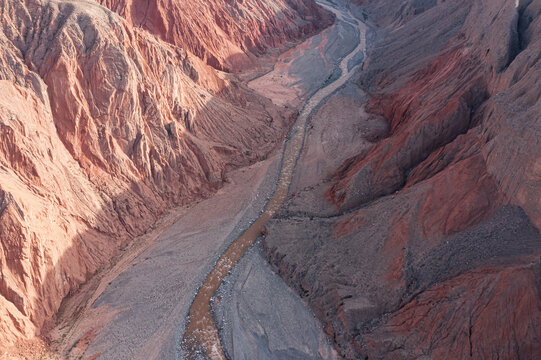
<point x="103" y="126"/>
<point x="424" y="242"/>
<point x="228" y="35"/>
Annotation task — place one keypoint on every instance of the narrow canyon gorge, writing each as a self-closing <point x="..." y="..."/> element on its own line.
<point x="270" y="179"/>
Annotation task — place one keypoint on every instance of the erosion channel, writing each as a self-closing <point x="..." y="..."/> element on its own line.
<point x="201" y="333"/>
<point x="156" y="302"/>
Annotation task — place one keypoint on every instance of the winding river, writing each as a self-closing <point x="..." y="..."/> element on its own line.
<point x="201" y="333"/>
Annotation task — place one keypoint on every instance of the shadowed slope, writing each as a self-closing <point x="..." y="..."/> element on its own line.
<point x="228" y="35"/>
<point x="104" y="127"/>
<point x="426" y="243"/>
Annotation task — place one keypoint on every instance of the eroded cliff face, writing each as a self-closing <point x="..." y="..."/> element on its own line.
<point x="228" y="35"/>
<point x="428" y="243"/>
<point x="103" y="126"/>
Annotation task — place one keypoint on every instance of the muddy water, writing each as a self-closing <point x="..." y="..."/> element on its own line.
<point x="200" y="332"/>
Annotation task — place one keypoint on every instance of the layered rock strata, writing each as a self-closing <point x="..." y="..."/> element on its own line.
<point x="103" y="126"/>
<point x="228" y="35"/>
<point x="425" y="243"/>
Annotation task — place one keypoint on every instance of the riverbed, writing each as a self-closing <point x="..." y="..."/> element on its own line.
<point x="142" y="312"/>
<point x="201" y="334"/>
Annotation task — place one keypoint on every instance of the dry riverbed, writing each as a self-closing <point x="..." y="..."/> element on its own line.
<point x="201" y="336"/>
<point x="138" y="309"/>
<point x="144" y="307"/>
<point x="260" y="317"/>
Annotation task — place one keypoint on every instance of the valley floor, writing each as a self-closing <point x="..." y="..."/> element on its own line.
<point x="139" y="309"/>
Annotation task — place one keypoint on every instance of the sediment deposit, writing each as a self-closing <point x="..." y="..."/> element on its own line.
<point x="104" y="126"/>
<point x="410" y="220"/>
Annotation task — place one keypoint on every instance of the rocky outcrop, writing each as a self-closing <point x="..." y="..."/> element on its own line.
<point x="228" y="35"/>
<point x="103" y="127"/>
<point x="428" y="245"/>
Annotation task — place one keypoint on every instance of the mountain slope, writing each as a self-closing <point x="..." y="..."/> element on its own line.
<point x="103" y="128"/>
<point x="426" y="243"/>
<point x="228" y="35"/>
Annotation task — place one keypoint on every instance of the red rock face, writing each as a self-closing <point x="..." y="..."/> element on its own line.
<point x="103" y="126"/>
<point x="228" y="35"/>
<point x="434" y="247"/>
<point x="433" y="315"/>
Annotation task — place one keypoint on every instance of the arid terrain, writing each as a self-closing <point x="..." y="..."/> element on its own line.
<point x="105" y="127"/>
<point x="424" y="241"/>
<point x="270" y="179"/>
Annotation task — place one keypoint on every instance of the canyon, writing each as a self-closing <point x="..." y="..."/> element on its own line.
<point x="105" y="127"/>
<point x="425" y="242"/>
<point x="366" y="168"/>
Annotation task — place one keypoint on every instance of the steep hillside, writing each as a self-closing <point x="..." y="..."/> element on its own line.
<point x="426" y="243"/>
<point x="103" y="127"/>
<point x="228" y="35"/>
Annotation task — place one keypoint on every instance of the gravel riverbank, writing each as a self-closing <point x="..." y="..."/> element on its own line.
<point x="260" y="317"/>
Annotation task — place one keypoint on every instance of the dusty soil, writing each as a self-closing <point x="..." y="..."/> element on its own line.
<point x="300" y="71"/>
<point x="260" y="317"/>
<point x="201" y="334"/>
<point x="142" y="309"/>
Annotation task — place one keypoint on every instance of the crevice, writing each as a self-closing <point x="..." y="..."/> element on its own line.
<point x="469" y="338"/>
<point x="526" y="18"/>
<point x="144" y="19"/>
<point x="519" y="40"/>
